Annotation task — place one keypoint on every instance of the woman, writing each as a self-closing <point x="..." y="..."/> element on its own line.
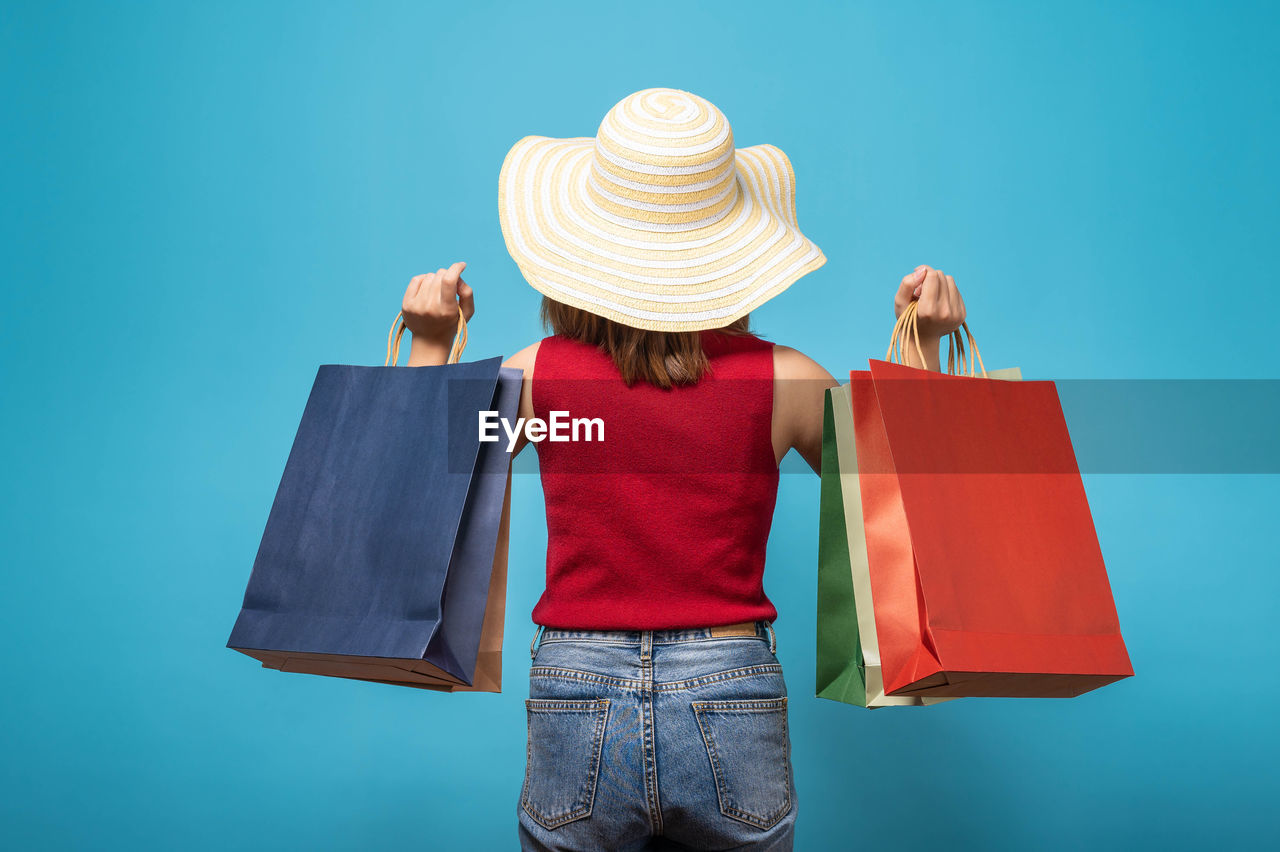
<point x="657" y="710"/>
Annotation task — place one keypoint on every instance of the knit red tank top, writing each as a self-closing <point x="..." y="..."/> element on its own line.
<point x="663" y="523"/>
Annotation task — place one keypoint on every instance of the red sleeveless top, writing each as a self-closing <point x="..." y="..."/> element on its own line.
<point x="663" y="523"/>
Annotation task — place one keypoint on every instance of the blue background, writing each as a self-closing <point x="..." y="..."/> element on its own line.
<point x="203" y="202"/>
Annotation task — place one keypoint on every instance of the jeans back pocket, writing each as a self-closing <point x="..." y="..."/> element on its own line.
<point x="750" y="752"/>
<point x="563" y="758"/>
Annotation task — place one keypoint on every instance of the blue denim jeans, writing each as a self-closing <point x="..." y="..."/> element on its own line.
<point x="662" y="739"/>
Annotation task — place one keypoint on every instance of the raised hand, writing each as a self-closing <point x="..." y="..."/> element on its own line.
<point x="940" y="310"/>
<point x="430" y="307"/>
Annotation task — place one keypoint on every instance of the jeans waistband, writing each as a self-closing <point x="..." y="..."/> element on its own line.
<point x="764" y="630"/>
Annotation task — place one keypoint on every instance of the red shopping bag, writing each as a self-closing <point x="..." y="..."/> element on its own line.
<point x="985" y="567"/>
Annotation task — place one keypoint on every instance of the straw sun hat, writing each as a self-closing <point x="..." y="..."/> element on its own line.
<point x="656" y="222"/>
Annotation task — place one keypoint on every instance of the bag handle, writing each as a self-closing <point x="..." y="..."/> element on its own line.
<point x="906" y="329"/>
<point x="397" y="331"/>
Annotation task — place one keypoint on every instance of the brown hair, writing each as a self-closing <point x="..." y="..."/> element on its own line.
<point x="662" y="358"/>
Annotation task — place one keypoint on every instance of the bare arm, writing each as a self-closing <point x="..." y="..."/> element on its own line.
<point x="800" y="383"/>
<point x="430" y="307"/>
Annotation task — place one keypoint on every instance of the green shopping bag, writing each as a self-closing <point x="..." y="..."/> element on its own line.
<point x="848" y="652"/>
<point x="848" y="658"/>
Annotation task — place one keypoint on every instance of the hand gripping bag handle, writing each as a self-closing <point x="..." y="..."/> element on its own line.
<point x="906" y="330"/>
<point x="397" y="331"/>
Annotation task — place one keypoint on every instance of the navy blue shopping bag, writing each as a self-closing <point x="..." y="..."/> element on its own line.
<point x="380" y="549"/>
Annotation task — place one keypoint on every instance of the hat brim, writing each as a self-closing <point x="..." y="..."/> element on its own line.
<point x="676" y="276"/>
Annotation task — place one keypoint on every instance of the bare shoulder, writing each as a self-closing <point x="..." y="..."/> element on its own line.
<point x="524" y="359"/>
<point x="791" y="364"/>
<point x="799" y="389"/>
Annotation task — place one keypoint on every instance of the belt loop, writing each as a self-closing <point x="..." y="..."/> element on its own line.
<point x="533" y="646"/>
<point x="773" y="638"/>
<point x="646" y="644"/>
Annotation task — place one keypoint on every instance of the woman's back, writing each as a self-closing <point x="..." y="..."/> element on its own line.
<point x="664" y="522"/>
<point x="651" y="244"/>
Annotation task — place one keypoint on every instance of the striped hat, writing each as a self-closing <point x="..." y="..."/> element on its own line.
<point x="657" y="222"/>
